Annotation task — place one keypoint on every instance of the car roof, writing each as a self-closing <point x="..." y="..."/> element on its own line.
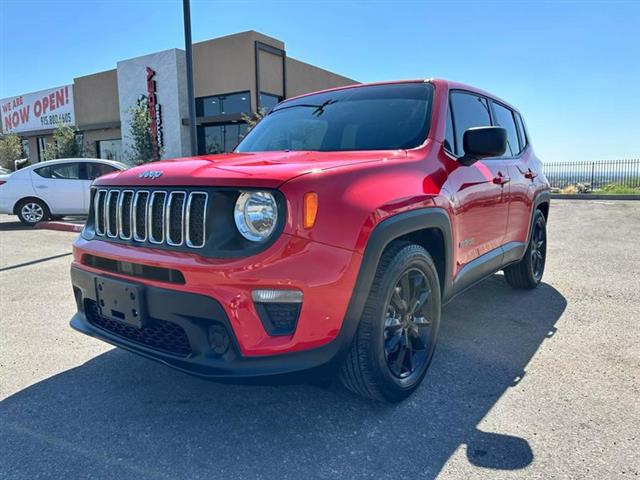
<point x="84" y="160"/>
<point x="438" y="82"/>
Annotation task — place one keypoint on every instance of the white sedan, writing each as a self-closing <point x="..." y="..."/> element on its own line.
<point x="52" y="189"/>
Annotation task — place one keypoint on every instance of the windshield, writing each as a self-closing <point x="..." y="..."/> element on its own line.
<point x="379" y="117"/>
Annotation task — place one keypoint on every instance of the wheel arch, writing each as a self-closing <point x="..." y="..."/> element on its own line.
<point x="30" y="197"/>
<point x="425" y="226"/>
<point x="541" y="202"/>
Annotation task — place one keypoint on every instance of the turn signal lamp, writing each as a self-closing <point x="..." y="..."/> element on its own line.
<point x="310" y="209"/>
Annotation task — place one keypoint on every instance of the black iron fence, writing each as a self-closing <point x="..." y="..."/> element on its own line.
<point x="594" y="175"/>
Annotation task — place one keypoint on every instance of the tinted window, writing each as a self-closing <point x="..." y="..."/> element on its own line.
<point x="468" y="111"/>
<point x="380" y="117"/>
<point x="449" y="142"/>
<point x="223" y="104"/>
<point x="62" y="171"/>
<point x="522" y="133"/>
<point x="504" y="118"/>
<point x="95" y="170"/>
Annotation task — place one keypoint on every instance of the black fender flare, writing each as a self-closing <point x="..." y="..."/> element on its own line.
<point x="383" y="234"/>
<point x="542" y="197"/>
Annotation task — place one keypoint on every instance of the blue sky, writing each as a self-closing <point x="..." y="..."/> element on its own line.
<point x="572" y="68"/>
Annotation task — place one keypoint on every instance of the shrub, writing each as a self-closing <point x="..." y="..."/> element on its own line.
<point x="10" y="150"/>
<point x="64" y="144"/>
<point x="142" y="150"/>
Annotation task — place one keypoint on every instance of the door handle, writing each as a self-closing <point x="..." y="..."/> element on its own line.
<point x="530" y="174"/>
<point x="500" y="179"/>
<point x="41" y="186"/>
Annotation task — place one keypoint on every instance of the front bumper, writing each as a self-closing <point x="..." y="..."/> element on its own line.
<point x="194" y="315"/>
<point x="218" y="291"/>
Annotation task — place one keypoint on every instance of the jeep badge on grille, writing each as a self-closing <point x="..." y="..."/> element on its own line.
<point x="152" y="174"/>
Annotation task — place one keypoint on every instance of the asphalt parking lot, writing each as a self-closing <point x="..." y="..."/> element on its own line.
<point x="541" y="384"/>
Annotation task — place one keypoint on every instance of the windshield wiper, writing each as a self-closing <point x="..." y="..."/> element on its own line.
<point x="319" y="109"/>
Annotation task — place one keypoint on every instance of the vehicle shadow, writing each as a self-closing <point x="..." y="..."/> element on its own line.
<point x="8" y="226"/>
<point x="121" y="416"/>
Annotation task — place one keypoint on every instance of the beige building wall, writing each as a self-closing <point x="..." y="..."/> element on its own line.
<point x="227" y="64"/>
<point x="96" y="99"/>
<point x="305" y="78"/>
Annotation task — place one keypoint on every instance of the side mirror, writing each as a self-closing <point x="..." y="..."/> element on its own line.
<point x="483" y="142"/>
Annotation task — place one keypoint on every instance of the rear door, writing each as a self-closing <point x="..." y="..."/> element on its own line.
<point x="61" y="186"/>
<point x="480" y="190"/>
<point x="521" y="172"/>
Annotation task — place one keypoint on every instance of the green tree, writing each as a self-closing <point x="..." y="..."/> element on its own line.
<point x="10" y="150"/>
<point x="64" y="144"/>
<point x="142" y="150"/>
<point x="253" y="119"/>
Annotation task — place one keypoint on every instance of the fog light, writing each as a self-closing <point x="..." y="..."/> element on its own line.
<point x="278" y="310"/>
<point x="219" y="339"/>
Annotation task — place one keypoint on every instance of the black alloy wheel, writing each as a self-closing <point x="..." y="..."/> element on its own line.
<point x="408" y="335"/>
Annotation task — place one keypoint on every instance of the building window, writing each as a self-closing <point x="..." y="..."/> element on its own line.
<point x="26" y="148"/>
<point x="268" y="101"/>
<point x="109" y="149"/>
<point x="220" y="138"/>
<point x="42" y="145"/>
<point x="223" y="104"/>
<point x="79" y="138"/>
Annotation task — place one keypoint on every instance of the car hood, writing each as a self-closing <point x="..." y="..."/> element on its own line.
<point x="260" y="169"/>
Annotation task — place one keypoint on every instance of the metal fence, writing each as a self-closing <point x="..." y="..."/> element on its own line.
<point x="596" y="174"/>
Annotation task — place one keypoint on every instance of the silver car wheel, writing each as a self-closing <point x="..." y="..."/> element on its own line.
<point x="32" y="212"/>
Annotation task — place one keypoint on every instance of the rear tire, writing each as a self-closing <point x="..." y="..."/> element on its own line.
<point x="527" y="273"/>
<point x="397" y="334"/>
<point x="32" y="211"/>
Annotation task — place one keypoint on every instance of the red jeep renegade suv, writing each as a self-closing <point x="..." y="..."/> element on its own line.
<point x="327" y="242"/>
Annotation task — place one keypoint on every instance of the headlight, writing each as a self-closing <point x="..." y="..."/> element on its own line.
<point x="256" y="215"/>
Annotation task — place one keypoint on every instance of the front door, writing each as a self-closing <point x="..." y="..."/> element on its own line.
<point x="62" y="187"/>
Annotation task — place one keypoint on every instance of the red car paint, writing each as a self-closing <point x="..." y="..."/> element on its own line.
<point x="489" y="204"/>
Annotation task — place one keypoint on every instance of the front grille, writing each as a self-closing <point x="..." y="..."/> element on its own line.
<point x="160" y="335"/>
<point x="175" y="218"/>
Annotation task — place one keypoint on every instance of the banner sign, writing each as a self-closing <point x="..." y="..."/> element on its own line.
<point x="38" y="111"/>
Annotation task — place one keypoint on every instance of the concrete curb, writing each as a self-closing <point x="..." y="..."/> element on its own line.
<point x="591" y="196"/>
<point x="60" y="226"/>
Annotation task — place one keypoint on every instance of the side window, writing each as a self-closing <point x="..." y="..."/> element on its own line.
<point x="522" y="133"/>
<point x="504" y="118"/>
<point x="468" y="111"/>
<point x="95" y="170"/>
<point x="63" y="171"/>
<point x="449" y="142"/>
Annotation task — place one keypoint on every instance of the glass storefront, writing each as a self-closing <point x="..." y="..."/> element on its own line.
<point x="26" y="148"/>
<point x="109" y="149"/>
<point x="220" y="138"/>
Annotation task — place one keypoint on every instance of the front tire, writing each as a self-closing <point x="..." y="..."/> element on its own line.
<point x="527" y="273"/>
<point x="32" y="211"/>
<point x="397" y="334"/>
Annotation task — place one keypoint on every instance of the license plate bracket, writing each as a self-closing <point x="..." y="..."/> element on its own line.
<point x="121" y="301"/>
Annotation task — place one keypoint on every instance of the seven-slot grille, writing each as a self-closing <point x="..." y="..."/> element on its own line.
<point x="169" y="217"/>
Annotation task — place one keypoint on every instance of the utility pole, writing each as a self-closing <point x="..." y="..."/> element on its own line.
<point x="186" y="8"/>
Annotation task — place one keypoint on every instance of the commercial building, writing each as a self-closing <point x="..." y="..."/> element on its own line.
<point x="233" y="75"/>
